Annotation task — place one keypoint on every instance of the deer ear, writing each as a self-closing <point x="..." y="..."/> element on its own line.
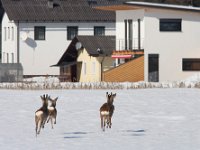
<point x="56" y="98"/>
<point x="106" y="94"/>
<point x="115" y="94"/>
<point x="41" y="97"/>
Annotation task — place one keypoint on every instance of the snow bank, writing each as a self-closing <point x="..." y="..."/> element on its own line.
<point x="38" y="83"/>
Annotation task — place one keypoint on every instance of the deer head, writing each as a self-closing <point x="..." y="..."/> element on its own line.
<point x="110" y="98"/>
<point x="45" y="99"/>
<point x="53" y="101"/>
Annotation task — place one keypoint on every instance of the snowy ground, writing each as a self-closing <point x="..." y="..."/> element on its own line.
<point x="144" y="119"/>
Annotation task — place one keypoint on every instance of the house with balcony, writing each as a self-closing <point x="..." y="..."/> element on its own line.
<point x="161" y="41"/>
<point x="35" y="33"/>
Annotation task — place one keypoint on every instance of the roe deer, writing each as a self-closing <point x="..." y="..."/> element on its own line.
<point x="106" y="111"/>
<point x="41" y="114"/>
<point x="52" y="112"/>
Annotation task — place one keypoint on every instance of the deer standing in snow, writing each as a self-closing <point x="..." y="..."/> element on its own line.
<point x="52" y="112"/>
<point x="41" y="114"/>
<point x="106" y="111"/>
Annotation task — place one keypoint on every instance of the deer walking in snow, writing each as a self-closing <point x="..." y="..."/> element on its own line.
<point x="41" y="114"/>
<point x="106" y="111"/>
<point x="52" y="112"/>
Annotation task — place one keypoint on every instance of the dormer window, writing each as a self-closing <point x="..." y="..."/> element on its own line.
<point x="92" y="2"/>
<point x="99" y="30"/>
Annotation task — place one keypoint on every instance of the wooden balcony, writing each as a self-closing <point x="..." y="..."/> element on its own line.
<point x="127" y="53"/>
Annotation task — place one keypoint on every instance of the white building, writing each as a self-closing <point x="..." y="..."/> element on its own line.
<point x="168" y="34"/>
<point x="36" y="33"/>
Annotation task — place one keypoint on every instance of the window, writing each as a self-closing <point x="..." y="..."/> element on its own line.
<point x="72" y="31"/>
<point x="5" y="33"/>
<point x="191" y="64"/>
<point x="8" y="32"/>
<point x="39" y="33"/>
<point x="170" y="24"/>
<point x="99" y="30"/>
<point x="12" y="55"/>
<point x="7" y="61"/>
<point x="92" y="2"/>
<point x="13" y="33"/>
<point x="4" y="57"/>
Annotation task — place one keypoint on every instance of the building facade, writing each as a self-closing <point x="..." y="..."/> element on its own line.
<point x="35" y="33"/>
<point x="168" y="34"/>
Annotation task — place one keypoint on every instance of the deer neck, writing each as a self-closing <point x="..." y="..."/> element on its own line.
<point x="44" y="107"/>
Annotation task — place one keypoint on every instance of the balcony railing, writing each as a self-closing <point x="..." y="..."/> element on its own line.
<point x="130" y="44"/>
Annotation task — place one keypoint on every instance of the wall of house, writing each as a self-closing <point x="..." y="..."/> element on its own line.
<point x="90" y="68"/>
<point x="37" y="56"/>
<point x="172" y="47"/>
<point x="133" y="15"/>
<point x="42" y="54"/>
<point x="9" y="41"/>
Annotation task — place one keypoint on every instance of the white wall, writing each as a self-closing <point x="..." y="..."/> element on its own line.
<point x="120" y="26"/>
<point x="172" y="47"/>
<point x="37" y="56"/>
<point x="9" y="40"/>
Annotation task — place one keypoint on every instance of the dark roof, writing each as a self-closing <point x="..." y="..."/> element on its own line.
<point x="104" y="43"/>
<point x="60" y="10"/>
<point x="91" y="43"/>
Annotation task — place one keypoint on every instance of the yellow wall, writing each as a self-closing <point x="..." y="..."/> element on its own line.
<point x="92" y="73"/>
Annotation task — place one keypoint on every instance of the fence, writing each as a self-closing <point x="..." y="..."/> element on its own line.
<point x="11" y="72"/>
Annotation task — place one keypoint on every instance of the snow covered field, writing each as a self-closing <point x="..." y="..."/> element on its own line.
<point x="144" y="119"/>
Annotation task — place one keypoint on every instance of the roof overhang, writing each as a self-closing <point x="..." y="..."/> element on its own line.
<point x="118" y="7"/>
<point x="133" y="5"/>
<point x="66" y="64"/>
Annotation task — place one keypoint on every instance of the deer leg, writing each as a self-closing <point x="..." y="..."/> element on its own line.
<point x="44" y="121"/>
<point x="107" y="122"/>
<point x="36" y="129"/>
<point x="48" y="119"/>
<point x="51" y="122"/>
<point x="110" y="122"/>
<point x="55" y="120"/>
<point x="40" y="125"/>
<point x="104" y="124"/>
<point x="36" y="125"/>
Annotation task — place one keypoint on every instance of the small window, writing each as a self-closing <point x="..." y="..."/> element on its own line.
<point x="4" y="57"/>
<point x="99" y="31"/>
<point x="191" y="64"/>
<point x="39" y="33"/>
<point x="92" y="2"/>
<point x="13" y="33"/>
<point x="5" y="33"/>
<point x="8" y="32"/>
<point x="7" y="61"/>
<point x="72" y="31"/>
<point x="12" y="55"/>
<point x="170" y="24"/>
